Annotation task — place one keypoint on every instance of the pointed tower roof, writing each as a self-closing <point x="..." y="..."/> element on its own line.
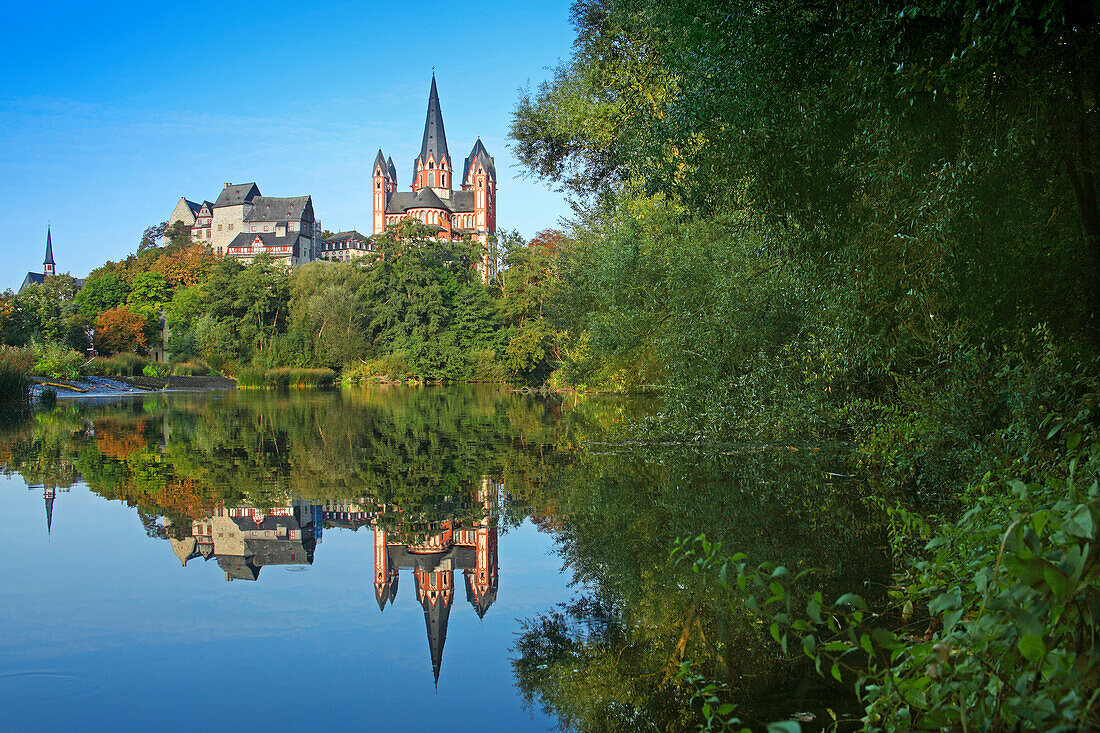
<point x="393" y="169"/>
<point x="380" y="160"/>
<point x="49" y="249"/>
<point x="435" y="137"/>
<point x="479" y="153"/>
<point x="49" y="510"/>
<point x="436" y="616"/>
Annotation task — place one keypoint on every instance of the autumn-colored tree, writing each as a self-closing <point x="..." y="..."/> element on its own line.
<point x="185" y="266"/>
<point x="119" y="329"/>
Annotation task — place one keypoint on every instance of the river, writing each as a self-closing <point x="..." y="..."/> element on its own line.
<point x="459" y="558"/>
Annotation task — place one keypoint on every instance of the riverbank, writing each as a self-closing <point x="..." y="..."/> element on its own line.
<point x="87" y="387"/>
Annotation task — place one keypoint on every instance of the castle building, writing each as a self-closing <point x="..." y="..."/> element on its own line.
<point x="242" y="223"/>
<point x="468" y="212"/>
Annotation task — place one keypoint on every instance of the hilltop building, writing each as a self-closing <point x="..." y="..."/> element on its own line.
<point x="242" y="223"/>
<point x="49" y="268"/>
<point x="470" y="212"/>
<point x="344" y="247"/>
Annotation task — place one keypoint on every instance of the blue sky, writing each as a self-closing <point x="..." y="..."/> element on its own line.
<point x="109" y="112"/>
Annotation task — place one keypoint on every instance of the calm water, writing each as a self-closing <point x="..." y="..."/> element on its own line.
<point x="464" y="558"/>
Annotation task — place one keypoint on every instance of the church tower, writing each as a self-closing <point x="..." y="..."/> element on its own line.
<point x="48" y="263"/>
<point x="385" y="572"/>
<point x="433" y="168"/>
<point x="384" y="184"/>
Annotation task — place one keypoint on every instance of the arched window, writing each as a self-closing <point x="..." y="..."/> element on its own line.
<point x="443" y="177"/>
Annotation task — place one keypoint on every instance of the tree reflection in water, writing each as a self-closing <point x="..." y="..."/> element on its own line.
<point x="250" y="480"/>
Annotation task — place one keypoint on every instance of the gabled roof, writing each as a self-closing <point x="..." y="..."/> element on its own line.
<point x="271" y="208"/>
<point x="32" y="278"/>
<point x="49" y="249"/>
<point x="193" y="207"/>
<point x="434" y="143"/>
<point x="352" y="236"/>
<point x="240" y="193"/>
<point x="268" y="239"/>
<point x="479" y="154"/>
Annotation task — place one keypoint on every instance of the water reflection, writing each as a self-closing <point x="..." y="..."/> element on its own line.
<point x="419" y="490"/>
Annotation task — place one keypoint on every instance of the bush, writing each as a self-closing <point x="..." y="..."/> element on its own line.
<point x="121" y="365"/>
<point x="191" y="369"/>
<point x="390" y="366"/>
<point x="156" y="370"/>
<point x="15" y="367"/>
<point x="58" y="362"/>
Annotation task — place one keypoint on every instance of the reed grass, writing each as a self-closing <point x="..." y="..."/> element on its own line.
<point x="285" y="378"/>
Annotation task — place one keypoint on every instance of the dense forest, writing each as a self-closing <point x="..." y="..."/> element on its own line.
<point x="869" y="223"/>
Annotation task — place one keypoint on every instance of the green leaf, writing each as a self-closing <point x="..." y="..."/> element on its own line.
<point x="1031" y="647"/>
<point x="786" y="726"/>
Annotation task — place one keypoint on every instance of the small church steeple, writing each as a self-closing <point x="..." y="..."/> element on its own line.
<point x="48" y="263"/>
<point x="48" y="494"/>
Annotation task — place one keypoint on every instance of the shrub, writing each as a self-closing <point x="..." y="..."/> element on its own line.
<point x="485" y="368"/>
<point x="58" y="362"/>
<point x="121" y="365"/>
<point x="390" y="366"/>
<point x="156" y="370"/>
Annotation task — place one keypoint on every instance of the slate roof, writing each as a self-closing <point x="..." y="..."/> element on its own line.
<point x="32" y="278"/>
<point x="380" y="160"/>
<point x="479" y="153"/>
<point x="49" y="248"/>
<point x="269" y="239"/>
<point x="435" y="137"/>
<point x="240" y="193"/>
<point x="193" y="206"/>
<point x="352" y="236"/>
<point x="271" y="208"/>
<point x="462" y="201"/>
<point x="393" y="169"/>
<point x="402" y="201"/>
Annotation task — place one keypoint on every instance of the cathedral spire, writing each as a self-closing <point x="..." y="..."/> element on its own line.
<point x="434" y="144"/>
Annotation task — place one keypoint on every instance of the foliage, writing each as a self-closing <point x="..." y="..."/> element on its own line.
<point x="191" y="369"/>
<point x="119" y="330"/>
<point x="16" y="365"/>
<point x="57" y="362"/>
<point x="1007" y="593"/>
<point x="120" y="365"/>
<point x="156" y="370"/>
<point x="285" y="378"/>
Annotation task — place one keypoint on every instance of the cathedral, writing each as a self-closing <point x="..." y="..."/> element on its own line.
<point x="468" y="212"/>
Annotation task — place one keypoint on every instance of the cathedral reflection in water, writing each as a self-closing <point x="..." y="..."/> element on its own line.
<point x="245" y="539"/>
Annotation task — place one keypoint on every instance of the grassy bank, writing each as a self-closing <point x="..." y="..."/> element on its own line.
<point x="285" y="378"/>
